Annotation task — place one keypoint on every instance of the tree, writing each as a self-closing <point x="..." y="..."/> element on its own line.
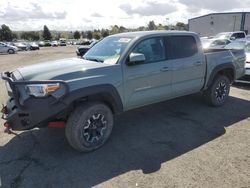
<point x="15" y="36"/>
<point x="105" y="33"/>
<point x="180" y="26"/>
<point x="89" y="35"/>
<point x="77" y="35"/>
<point x="115" y="29"/>
<point x="97" y="35"/>
<point x="46" y="33"/>
<point x="5" y="33"/>
<point x="122" y="29"/>
<point x="30" y="35"/>
<point x="83" y="34"/>
<point x="58" y="35"/>
<point x="141" y="28"/>
<point x="160" y="27"/>
<point x="151" y="25"/>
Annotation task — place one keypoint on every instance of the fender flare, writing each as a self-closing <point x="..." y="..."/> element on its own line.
<point x="219" y="68"/>
<point x="107" y="91"/>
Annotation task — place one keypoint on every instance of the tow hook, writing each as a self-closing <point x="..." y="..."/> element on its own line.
<point x="8" y="129"/>
<point x="4" y="109"/>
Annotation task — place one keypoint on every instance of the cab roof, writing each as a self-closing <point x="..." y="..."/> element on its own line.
<point x="139" y="34"/>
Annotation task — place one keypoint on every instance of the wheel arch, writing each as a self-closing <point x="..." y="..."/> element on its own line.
<point x="105" y="93"/>
<point x="226" y="69"/>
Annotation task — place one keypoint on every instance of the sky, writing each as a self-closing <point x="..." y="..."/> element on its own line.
<point x="70" y="15"/>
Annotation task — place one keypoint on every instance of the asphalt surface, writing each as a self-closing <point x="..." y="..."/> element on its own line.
<point x="177" y="143"/>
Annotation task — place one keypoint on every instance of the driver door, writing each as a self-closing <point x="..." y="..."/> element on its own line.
<point x="148" y="82"/>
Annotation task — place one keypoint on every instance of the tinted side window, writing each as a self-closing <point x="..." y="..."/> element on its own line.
<point x="182" y="47"/>
<point x="238" y="35"/>
<point x="152" y="48"/>
<point x="241" y="35"/>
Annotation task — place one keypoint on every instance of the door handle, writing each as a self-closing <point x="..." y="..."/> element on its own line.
<point x="197" y="63"/>
<point x="164" y="69"/>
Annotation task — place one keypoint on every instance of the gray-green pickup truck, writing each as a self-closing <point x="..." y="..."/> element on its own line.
<point x="121" y="72"/>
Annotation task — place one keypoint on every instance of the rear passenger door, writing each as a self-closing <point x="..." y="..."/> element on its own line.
<point x="188" y="64"/>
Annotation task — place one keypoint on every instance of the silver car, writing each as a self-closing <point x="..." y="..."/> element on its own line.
<point x="5" y="48"/>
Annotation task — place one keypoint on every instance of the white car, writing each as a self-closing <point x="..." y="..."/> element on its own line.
<point x="5" y="48"/>
<point x="247" y="50"/>
<point x="54" y="43"/>
<point x="246" y="46"/>
<point x="21" y="46"/>
<point x="214" y="43"/>
<point x="236" y="35"/>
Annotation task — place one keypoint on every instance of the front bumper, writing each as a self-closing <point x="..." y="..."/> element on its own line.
<point x="34" y="112"/>
<point x="22" y="48"/>
<point x="34" y="48"/>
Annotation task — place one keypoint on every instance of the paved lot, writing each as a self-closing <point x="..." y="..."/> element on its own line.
<point x="178" y="143"/>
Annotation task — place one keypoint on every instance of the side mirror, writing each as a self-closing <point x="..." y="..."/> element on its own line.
<point x="136" y="58"/>
<point x="232" y="38"/>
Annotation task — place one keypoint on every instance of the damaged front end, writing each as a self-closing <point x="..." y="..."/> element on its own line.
<point x="24" y="110"/>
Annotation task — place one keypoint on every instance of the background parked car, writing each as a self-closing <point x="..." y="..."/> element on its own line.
<point x="215" y="43"/>
<point x="62" y="42"/>
<point x="5" y="48"/>
<point x="236" y="35"/>
<point x="41" y="43"/>
<point x="247" y="66"/>
<point x="54" y="43"/>
<point x="33" y="46"/>
<point x="81" y="50"/>
<point x="243" y="45"/>
<point x="47" y="43"/>
<point x="22" y="46"/>
<point x="219" y="43"/>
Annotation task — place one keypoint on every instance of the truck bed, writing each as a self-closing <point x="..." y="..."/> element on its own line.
<point x="223" y="56"/>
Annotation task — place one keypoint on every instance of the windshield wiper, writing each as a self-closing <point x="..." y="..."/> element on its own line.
<point x="93" y="59"/>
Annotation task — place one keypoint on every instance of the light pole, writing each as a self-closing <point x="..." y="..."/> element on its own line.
<point x="234" y="22"/>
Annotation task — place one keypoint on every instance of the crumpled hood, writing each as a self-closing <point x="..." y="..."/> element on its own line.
<point x="64" y="69"/>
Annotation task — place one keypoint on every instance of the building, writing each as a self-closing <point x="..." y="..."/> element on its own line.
<point x="211" y="24"/>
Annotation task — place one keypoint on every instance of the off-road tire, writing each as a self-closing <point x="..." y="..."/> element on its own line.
<point x="79" y="136"/>
<point x="217" y="93"/>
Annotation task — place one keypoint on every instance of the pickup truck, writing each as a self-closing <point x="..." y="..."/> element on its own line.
<point x="120" y="73"/>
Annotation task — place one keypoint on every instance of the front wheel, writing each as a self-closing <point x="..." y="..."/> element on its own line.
<point x="89" y="126"/>
<point x="10" y="51"/>
<point x="218" y="92"/>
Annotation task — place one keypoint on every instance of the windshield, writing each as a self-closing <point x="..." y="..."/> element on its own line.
<point x="108" y="50"/>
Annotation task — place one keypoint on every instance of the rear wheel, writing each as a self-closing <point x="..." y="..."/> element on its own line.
<point x="89" y="126"/>
<point x="11" y="51"/>
<point x="217" y="93"/>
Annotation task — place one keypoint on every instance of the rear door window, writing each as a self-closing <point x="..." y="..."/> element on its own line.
<point x="238" y="35"/>
<point x="182" y="47"/>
